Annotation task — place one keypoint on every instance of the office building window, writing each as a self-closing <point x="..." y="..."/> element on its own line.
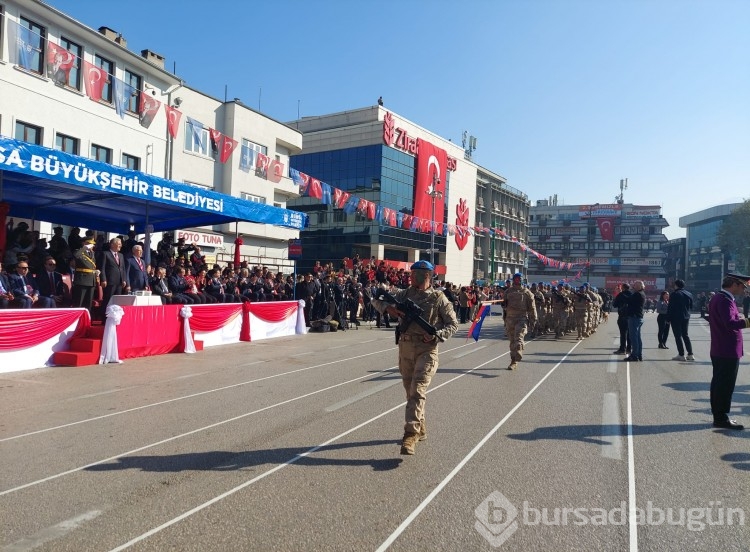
<point x="249" y="152"/>
<point x="30" y="45"/>
<point x="131" y="162"/>
<point x="136" y="81"/>
<point x="196" y="139"/>
<point x="251" y="197"/>
<point x="100" y="153"/>
<point x="73" y="77"/>
<point x="28" y="133"/>
<point x="68" y="144"/>
<point x="109" y="68"/>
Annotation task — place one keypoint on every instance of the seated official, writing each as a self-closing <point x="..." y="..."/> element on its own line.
<point x="160" y="287"/>
<point x="6" y="297"/>
<point x="25" y="291"/>
<point x="50" y="284"/>
<point x="179" y="287"/>
<point x="216" y="288"/>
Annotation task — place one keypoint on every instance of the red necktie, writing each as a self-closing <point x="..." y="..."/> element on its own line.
<point x="117" y="259"/>
<point x="140" y="264"/>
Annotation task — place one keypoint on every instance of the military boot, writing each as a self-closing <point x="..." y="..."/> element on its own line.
<point x="423" y="431"/>
<point x="409" y="443"/>
<point x="513" y="365"/>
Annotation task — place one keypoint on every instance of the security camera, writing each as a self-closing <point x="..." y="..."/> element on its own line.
<point x="177" y="102"/>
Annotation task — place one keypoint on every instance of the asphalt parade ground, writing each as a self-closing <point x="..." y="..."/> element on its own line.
<point x="293" y="444"/>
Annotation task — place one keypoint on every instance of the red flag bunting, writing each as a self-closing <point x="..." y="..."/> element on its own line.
<point x="227" y="147"/>
<point x="148" y="108"/>
<point x="59" y="62"/>
<point x="94" y="78"/>
<point x="173" y="120"/>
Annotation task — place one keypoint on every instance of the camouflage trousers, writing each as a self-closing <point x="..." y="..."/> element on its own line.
<point x="417" y="363"/>
<point x="515" y="330"/>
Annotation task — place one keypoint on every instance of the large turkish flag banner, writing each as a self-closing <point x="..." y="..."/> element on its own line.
<point x="607" y="228"/>
<point x="431" y="161"/>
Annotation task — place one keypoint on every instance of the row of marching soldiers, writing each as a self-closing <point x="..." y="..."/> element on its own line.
<point x="564" y="310"/>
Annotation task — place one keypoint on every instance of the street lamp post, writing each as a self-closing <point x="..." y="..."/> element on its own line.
<point x="589" y="240"/>
<point x="434" y="194"/>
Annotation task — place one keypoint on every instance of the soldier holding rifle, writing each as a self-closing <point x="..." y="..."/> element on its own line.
<point x="426" y="317"/>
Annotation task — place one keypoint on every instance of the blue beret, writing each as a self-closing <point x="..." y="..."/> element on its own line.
<point x="422" y="265"/>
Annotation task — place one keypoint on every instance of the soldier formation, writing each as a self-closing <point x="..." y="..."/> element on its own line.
<point x="544" y="309"/>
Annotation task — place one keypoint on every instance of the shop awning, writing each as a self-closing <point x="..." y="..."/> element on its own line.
<point x="44" y="184"/>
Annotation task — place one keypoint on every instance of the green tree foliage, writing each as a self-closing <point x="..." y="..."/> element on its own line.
<point x="734" y="236"/>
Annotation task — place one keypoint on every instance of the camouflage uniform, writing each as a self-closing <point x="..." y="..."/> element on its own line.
<point x="521" y="310"/>
<point x="417" y="360"/>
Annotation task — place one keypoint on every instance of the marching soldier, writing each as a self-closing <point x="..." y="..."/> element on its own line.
<point x="519" y="304"/>
<point x="417" y="348"/>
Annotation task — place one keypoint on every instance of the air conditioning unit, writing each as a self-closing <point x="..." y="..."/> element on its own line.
<point x="495" y="205"/>
<point x="480" y="202"/>
<point x="479" y="250"/>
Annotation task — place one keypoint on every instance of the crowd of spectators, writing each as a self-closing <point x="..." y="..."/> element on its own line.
<point x="178" y="273"/>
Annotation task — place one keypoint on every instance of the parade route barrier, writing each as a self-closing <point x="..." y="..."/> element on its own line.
<point x="30" y="337"/>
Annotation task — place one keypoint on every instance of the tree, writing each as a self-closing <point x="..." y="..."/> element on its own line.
<point x="734" y="236"/>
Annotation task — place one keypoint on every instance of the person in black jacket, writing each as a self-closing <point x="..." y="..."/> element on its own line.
<point x="621" y="304"/>
<point x="678" y="313"/>
<point x="636" y="305"/>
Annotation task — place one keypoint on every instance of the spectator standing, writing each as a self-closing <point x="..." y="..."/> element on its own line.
<point x="661" y="319"/>
<point x="636" y="305"/>
<point x="678" y="313"/>
<point x="726" y="347"/>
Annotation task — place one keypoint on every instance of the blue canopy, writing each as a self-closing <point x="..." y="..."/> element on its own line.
<point x="44" y="184"/>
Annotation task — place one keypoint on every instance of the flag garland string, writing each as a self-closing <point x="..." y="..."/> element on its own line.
<point x="330" y="195"/>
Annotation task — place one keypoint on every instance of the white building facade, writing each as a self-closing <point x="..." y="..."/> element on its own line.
<point x="45" y="59"/>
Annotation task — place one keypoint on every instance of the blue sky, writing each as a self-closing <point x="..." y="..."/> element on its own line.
<point x="565" y="97"/>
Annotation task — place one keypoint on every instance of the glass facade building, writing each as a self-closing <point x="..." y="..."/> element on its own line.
<point x="377" y="173"/>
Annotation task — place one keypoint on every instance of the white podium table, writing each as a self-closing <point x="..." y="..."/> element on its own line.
<point x="136" y="300"/>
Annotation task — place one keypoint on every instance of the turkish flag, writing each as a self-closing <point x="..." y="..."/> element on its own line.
<point x="371" y="208"/>
<point x="315" y="189"/>
<point x="227" y="147"/>
<point x="59" y="62"/>
<point x="94" y="78"/>
<point x="148" y="109"/>
<point x="275" y="171"/>
<point x="173" y="120"/>
<point x="343" y="199"/>
<point x="606" y="228"/>
<point x="432" y="162"/>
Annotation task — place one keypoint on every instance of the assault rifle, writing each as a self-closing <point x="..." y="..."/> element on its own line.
<point x="412" y="313"/>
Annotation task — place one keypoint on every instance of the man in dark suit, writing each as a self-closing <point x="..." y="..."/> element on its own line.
<point x="24" y="289"/>
<point x="137" y="274"/>
<point x="160" y="287"/>
<point x="726" y="325"/>
<point x="6" y="297"/>
<point x="179" y="287"/>
<point x="50" y="283"/>
<point x="114" y="273"/>
<point x="678" y="314"/>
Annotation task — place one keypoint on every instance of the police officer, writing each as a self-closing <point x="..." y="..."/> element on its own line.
<point x="519" y="304"/>
<point x="417" y="349"/>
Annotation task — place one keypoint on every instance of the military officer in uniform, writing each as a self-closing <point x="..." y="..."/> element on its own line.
<point x="86" y="275"/>
<point x="417" y="349"/>
<point x="521" y="309"/>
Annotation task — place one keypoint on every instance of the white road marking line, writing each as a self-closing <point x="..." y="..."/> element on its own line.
<point x="285" y="464"/>
<point x="362" y="395"/>
<point x="411" y="517"/>
<point x="241" y="416"/>
<point x="186" y="376"/>
<point x="193" y="395"/>
<point x="50" y="533"/>
<point x="470" y="352"/>
<point x="632" y="520"/>
<point x="612" y="443"/>
<point x="339" y="347"/>
<point x="108" y="392"/>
